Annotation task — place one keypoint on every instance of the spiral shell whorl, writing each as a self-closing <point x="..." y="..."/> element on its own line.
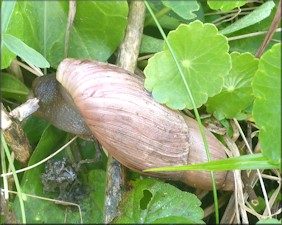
<point x="136" y="130"/>
<point x="124" y="123"/>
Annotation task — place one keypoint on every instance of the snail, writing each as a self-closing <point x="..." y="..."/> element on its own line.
<point x="98" y="100"/>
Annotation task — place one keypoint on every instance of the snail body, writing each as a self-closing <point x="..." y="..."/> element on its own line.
<point x="112" y="104"/>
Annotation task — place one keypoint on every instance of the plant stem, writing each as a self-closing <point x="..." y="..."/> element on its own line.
<point x="251" y="35"/>
<point x="5" y="180"/>
<point x="17" y="183"/>
<point x="15" y="137"/>
<point x="158" y="15"/>
<point x="275" y="22"/>
<point x="71" y="16"/>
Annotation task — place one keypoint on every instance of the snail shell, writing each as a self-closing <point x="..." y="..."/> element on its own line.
<point x="139" y="132"/>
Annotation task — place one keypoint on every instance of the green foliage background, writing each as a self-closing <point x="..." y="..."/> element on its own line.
<point x="224" y="76"/>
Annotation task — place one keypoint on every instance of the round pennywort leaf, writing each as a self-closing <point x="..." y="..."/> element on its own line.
<point x="203" y="56"/>
<point x="152" y="201"/>
<point x="225" y="6"/>
<point x="267" y="105"/>
<point x="236" y="94"/>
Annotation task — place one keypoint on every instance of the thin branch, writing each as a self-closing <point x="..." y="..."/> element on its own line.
<point x="30" y="69"/>
<point x="275" y="22"/>
<point x="249" y="189"/>
<point x="72" y="12"/>
<point x="10" y="217"/>
<point x="129" y="49"/>
<point x="15" y="137"/>
<point x="251" y="35"/>
<point x="36" y="69"/>
<point x="25" y="109"/>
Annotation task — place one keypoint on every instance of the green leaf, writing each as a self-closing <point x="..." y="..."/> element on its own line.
<point x="97" y="31"/>
<point x="150" y="201"/>
<point x="256" y="16"/>
<point x="13" y="88"/>
<point x="261" y="205"/>
<point x="228" y="127"/>
<point x="167" y="18"/>
<point x="176" y="220"/>
<point x="237" y="92"/>
<point x="267" y="105"/>
<point x="245" y="162"/>
<point x="7" y="8"/>
<point x="269" y="221"/>
<point x="183" y="8"/>
<point x="44" y="25"/>
<point x="150" y="44"/>
<point x="13" y="25"/>
<point x="203" y="55"/>
<point x="7" y="57"/>
<point x="33" y="128"/>
<point x="28" y="54"/>
<point x="92" y="205"/>
<point x="225" y="6"/>
<point x="107" y="20"/>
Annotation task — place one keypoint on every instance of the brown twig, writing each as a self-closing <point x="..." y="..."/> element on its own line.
<point x="25" y="109"/>
<point x="249" y="134"/>
<point x="248" y="188"/>
<point x="275" y="22"/>
<point x="10" y="217"/>
<point x="15" y="137"/>
<point x="129" y="49"/>
<point x="127" y="59"/>
<point x="72" y="11"/>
